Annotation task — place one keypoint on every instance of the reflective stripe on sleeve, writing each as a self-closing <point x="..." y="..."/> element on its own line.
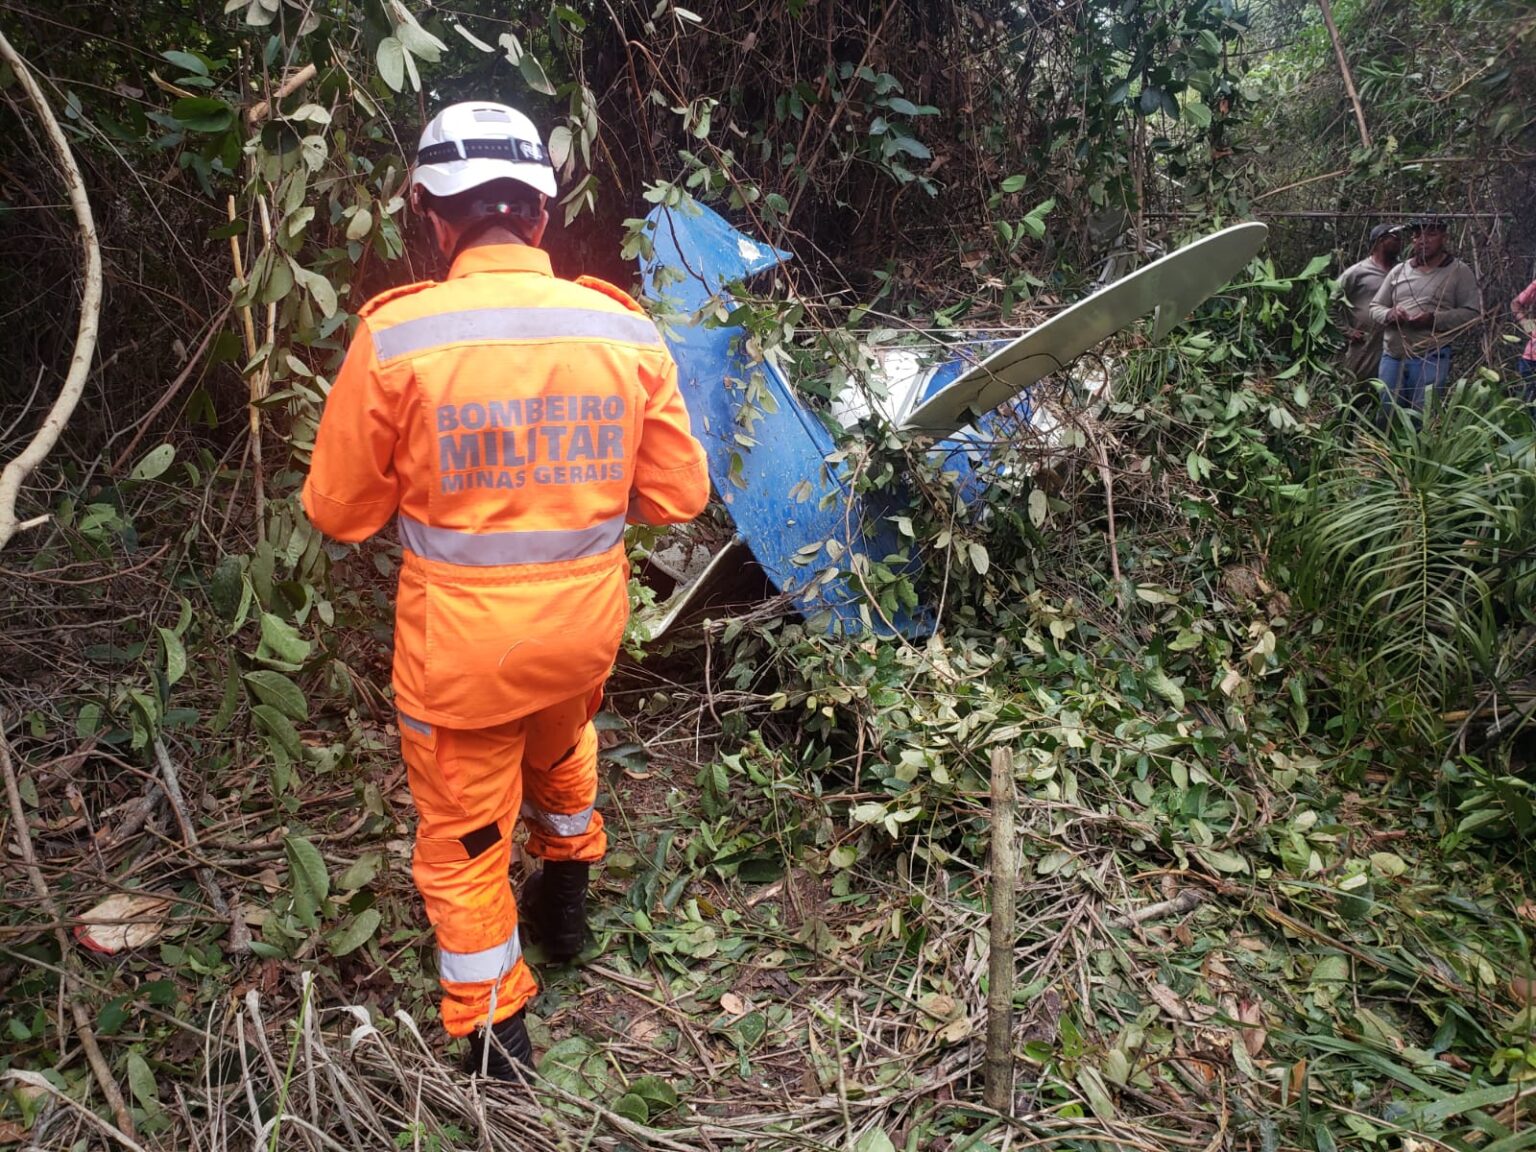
<point x="414" y="724"/>
<point x="560" y="823"/>
<point x="473" y="967"/>
<point x="511" y="324"/>
<point x="488" y="549"/>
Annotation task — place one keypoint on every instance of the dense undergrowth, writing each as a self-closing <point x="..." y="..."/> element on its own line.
<point x="1255" y="658"/>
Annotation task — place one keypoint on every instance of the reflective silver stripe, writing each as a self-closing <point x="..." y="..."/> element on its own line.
<point x="414" y="724"/>
<point x="473" y="967"/>
<point x="511" y="324"/>
<point x="560" y="823"/>
<point x="485" y="549"/>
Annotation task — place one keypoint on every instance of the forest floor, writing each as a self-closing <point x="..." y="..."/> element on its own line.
<point x="781" y="993"/>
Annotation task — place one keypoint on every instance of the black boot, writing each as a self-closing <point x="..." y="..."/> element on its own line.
<point x="511" y="1054"/>
<point x="554" y="908"/>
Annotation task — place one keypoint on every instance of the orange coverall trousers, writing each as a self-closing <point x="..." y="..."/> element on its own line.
<point x="469" y="786"/>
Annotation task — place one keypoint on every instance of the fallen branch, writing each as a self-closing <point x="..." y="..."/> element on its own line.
<point x="1186" y="901"/>
<point x="997" y="1091"/>
<point x="78" y="1010"/>
<point x="90" y="310"/>
<point x="239" y="934"/>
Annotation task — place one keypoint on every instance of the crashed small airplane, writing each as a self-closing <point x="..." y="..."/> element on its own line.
<point x="794" y="510"/>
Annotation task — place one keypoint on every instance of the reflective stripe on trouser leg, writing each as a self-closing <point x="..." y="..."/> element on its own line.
<point x="560" y="782"/>
<point x="467" y="787"/>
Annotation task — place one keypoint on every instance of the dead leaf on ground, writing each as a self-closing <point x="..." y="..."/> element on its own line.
<point x="644" y="1030"/>
<point x="1168" y="1000"/>
<point x="1250" y="1013"/>
<point x="732" y="1004"/>
<point x="11" y="1132"/>
<point x="123" y="921"/>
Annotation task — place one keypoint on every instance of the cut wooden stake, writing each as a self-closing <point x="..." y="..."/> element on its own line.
<point x="997" y="1092"/>
<point x="257" y="382"/>
<point x="1349" y="77"/>
<point x="259" y="110"/>
<point x="90" y="307"/>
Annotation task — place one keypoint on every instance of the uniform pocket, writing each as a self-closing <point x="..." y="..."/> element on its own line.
<point x="425" y="748"/>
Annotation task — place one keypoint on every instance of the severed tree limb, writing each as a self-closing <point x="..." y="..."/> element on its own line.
<point x="90" y="308"/>
<point x="78" y="1010"/>
<point x="1349" y="77"/>
<point x="1186" y="901"/>
<point x="260" y="110"/>
<point x="997" y="1089"/>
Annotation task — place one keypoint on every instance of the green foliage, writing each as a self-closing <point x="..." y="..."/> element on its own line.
<point x="1415" y="546"/>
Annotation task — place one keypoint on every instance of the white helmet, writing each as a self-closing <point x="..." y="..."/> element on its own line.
<point x="470" y="144"/>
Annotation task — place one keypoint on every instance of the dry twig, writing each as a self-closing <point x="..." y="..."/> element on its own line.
<point x="82" y="1016"/>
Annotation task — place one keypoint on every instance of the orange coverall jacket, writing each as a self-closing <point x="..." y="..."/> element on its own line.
<point x="514" y="422"/>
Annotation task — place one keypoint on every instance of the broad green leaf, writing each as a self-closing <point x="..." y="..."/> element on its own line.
<point x="632" y="1107"/>
<point x="280" y="729"/>
<point x="1160" y="682"/>
<point x="360" y="872"/>
<point x="187" y="62"/>
<point x="980" y="560"/>
<point x="1039" y="507"/>
<point x="419" y="42"/>
<point x="278" y="284"/>
<point x="875" y="1140"/>
<point x="355" y="933"/>
<point x="472" y="38"/>
<point x="154" y="464"/>
<point x="175" y="655"/>
<point x="141" y="1082"/>
<point x="280" y="640"/>
<point x="360" y="225"/>
<point x="390" y="58"/>
<point x="659" y="1096"/>
<point x="533" y="73"/>
<point x="203" y="114"/>
<point x="1316" y="265"/>
<point x="560" y="146"/>
<point x="1222" y="861"/>
<point x="308" y="881"/>
<point x="314" y="150"/>
<point x="320" y="289"/>
<point x="277" y="690"/>
<point x="1388" y="864"/>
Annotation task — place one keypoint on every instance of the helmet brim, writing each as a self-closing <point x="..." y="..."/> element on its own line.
<point x="461" y="175"/>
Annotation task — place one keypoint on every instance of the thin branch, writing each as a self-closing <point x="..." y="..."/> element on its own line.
<point x="90" y="307"/>
<point x="77" y="1006"/>
<point x="1349" y="77"/>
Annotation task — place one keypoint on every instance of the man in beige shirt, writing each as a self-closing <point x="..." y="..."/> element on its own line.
<point x="1357" y="288"/>
<point x="1423" y="305"/>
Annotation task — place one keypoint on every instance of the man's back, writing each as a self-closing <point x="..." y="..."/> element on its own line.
<point x="514" y="421"/>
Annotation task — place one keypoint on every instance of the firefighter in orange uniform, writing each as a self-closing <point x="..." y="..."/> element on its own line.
<point x="513" y="423"/>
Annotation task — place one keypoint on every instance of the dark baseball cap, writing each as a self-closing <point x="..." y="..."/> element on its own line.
<point x="1380" y="231"/>
<point x="1431" y="224"/>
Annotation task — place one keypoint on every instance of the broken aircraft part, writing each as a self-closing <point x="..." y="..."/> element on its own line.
<point x="772" y="458"/>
